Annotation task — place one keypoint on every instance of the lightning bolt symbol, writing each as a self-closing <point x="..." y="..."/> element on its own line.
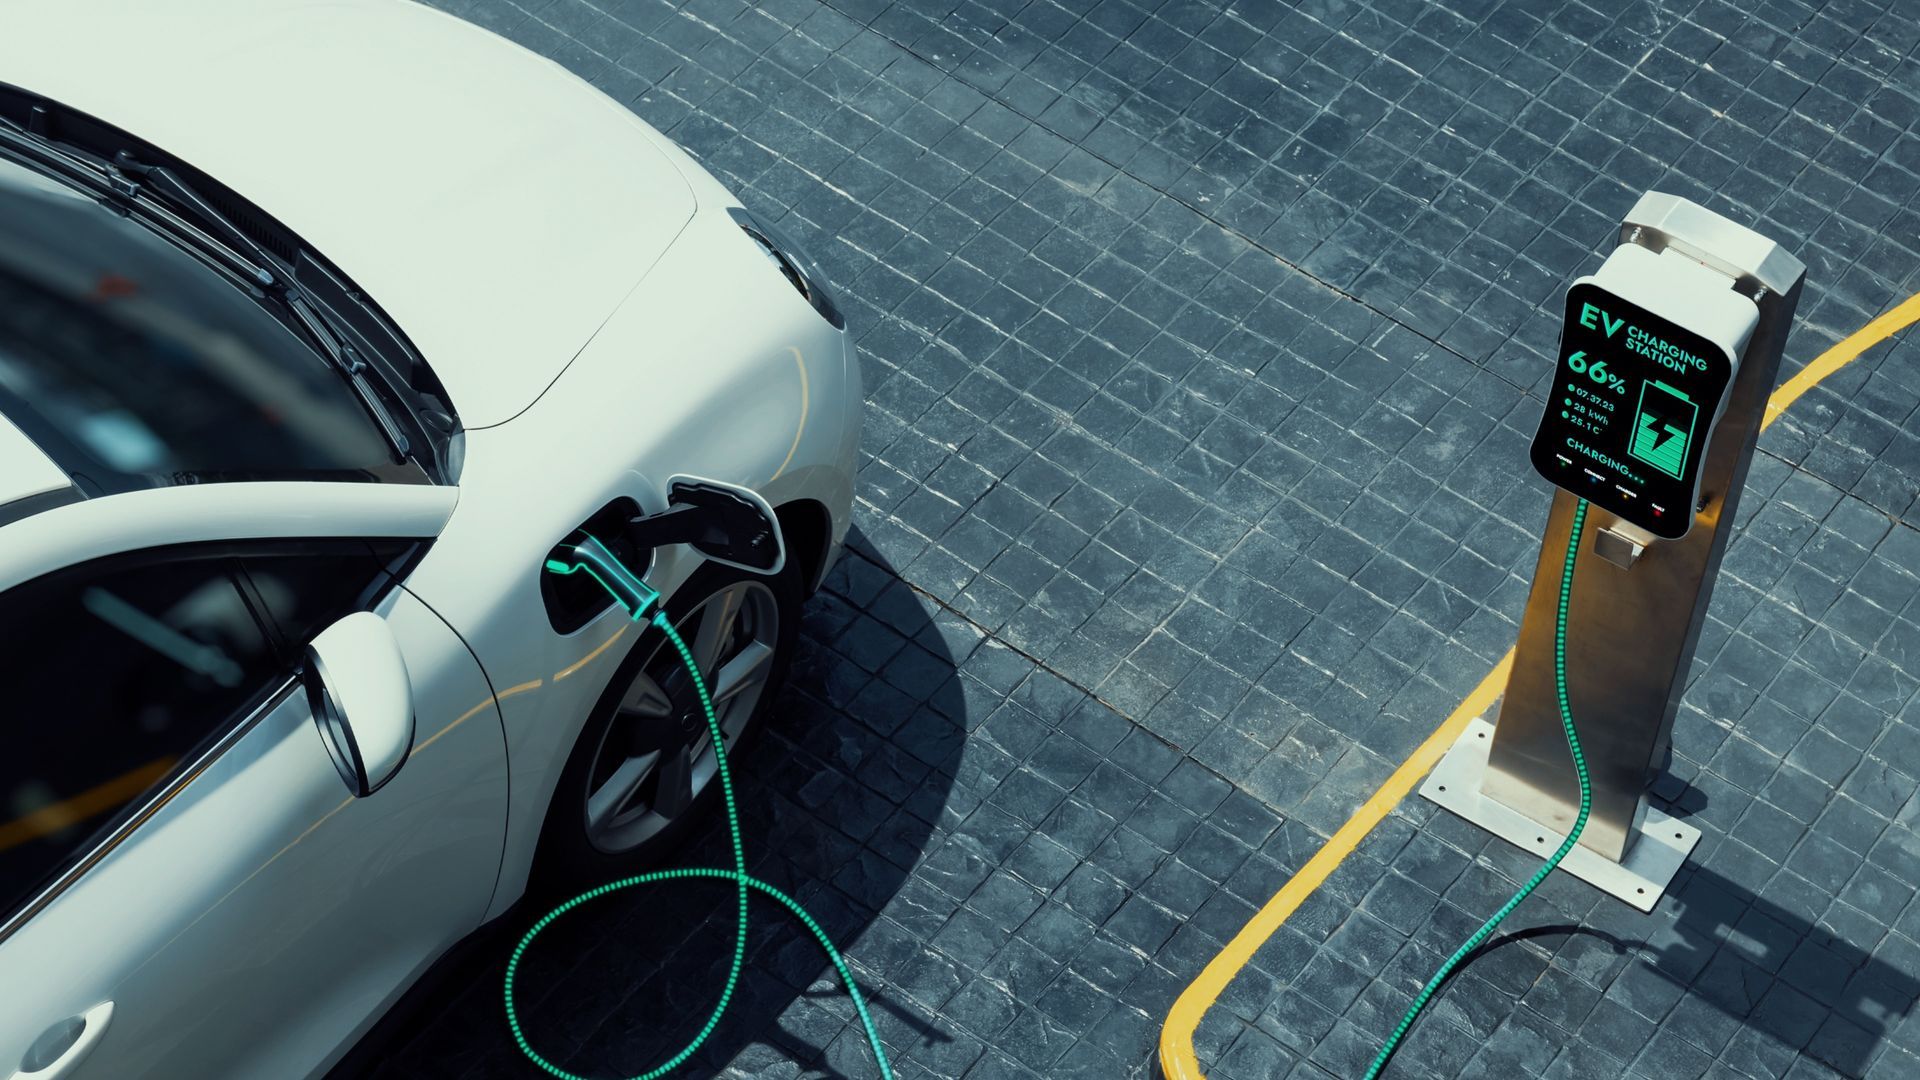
<point x="1662" y="435"/>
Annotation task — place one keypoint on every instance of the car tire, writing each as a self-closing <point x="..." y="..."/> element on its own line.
<point x="587" y="839"/>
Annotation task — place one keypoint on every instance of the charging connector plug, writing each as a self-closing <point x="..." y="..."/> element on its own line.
<point x="586" y="553"/>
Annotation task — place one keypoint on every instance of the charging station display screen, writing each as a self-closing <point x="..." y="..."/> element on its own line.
<point x="1634" y="398"/>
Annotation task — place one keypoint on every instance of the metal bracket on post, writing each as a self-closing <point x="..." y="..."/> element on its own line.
<point x="1640" y="879"/>
<point x="1662" y="464"/>
<point x="1621" y="543"/>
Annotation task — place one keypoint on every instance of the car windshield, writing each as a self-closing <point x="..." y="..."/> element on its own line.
<point x="133" y="364"/>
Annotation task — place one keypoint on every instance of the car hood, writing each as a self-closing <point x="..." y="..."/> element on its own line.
<point x="496" y="206"/>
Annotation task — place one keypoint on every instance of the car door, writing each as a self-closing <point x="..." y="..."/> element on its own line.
<point x="187" y="885"/>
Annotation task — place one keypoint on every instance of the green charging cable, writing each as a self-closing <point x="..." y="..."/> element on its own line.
<point x="638" y="598"/>
<point x="1579" y="822"/>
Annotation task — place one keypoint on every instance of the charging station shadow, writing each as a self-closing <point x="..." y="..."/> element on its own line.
<point x="1813" y="967"/>
<point x="1787" y="979"/>
<point x="838" y="797"/>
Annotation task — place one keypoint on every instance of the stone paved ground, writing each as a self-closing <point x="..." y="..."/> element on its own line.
<point x="1202" y="345"/>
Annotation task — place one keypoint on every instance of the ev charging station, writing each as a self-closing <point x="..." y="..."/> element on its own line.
<point x="1667" y="357"/>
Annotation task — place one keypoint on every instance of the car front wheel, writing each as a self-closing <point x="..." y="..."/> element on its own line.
<point x="644" y="769"/>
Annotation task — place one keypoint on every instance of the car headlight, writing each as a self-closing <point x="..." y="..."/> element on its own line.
<point x="793" y="264"/>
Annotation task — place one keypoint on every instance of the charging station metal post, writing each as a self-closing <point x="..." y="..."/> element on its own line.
<point x="1685" y="324"/>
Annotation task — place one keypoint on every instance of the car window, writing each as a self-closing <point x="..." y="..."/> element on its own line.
<point x="115" y="671"/>
<point x="132" y="364"/>
<point x="303" y="587"/>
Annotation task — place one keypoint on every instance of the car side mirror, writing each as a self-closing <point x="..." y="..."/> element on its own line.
<point x="362" y="700"/>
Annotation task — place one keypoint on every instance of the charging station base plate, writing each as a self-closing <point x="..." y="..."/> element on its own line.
<point x="1663" y="845"/>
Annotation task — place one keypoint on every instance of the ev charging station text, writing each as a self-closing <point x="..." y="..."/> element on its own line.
<point x="1634" y="398"/>
<point x="1651" y="346"/>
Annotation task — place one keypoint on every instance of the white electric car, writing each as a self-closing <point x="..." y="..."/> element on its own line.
<point x="322" y="327"/>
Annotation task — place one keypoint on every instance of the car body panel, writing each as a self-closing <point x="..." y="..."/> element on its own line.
<point x="757" y="390"/>
<point x="496" y="206"/>
<point x="262" y="885"/>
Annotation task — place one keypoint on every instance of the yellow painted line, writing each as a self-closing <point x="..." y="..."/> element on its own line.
<point x="1840" y="355"/>
<point x="115" y="792"/>
<point x="1177" y="1058"/>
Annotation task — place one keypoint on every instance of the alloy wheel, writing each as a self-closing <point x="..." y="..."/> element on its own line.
<point x="656" y="757"/>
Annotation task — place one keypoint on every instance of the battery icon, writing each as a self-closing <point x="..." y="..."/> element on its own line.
<point x="1663" y="427"/>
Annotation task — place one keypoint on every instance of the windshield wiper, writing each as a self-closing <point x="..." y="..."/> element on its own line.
<point x="131" y="175"/>
<point x="45" y="158"/>
<point x="126" y="182"/>
<point x="347" y="361"/>
<point x="260" y="265"/>
<point x="117" y="184"/>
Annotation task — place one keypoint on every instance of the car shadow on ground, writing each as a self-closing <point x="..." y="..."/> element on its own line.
<point x="839" y="798"/>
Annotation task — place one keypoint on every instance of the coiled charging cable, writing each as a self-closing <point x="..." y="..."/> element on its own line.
<point x="1579" y="822"/>
<point x="639" y="599"/>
